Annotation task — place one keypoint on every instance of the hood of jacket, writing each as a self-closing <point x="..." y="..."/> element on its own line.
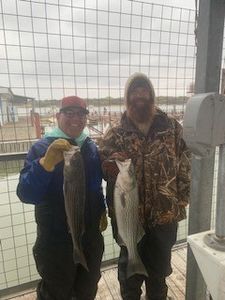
<point x="138" y="79"/>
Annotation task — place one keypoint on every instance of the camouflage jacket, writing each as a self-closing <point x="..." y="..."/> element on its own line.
<point x="162" y="166"/>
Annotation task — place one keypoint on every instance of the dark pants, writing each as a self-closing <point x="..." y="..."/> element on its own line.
<point x="155" y="252"/>
<point x="61" y="279"/>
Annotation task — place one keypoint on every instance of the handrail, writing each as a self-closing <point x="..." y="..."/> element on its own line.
<point x="12" y="156"/>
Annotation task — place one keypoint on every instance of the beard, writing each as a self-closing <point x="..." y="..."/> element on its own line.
<point x="141" y="112"/>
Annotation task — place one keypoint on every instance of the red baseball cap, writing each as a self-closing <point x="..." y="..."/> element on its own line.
<point x="73" y="101"/>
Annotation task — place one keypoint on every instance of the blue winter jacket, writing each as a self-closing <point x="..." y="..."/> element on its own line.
<point x="45" y="190"/>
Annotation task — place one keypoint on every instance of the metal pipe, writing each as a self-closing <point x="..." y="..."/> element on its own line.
<point x="220" y="206"/>
<point x="208" y="66"/>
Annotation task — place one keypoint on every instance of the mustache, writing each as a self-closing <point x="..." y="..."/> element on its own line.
<point x="141" y="113"/>
<point x="145" y="105"/>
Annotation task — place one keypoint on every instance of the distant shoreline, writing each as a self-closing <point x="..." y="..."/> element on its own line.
<point x="161" y="100"/>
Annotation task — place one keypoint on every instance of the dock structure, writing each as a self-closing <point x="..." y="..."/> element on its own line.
<point x="19" y="136"/>
<point x="109" y="286"/>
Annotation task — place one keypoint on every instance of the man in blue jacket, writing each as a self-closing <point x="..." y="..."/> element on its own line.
<point x="41" y="184"/>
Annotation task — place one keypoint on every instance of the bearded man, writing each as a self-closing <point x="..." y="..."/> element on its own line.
<point x="153" y="141"/>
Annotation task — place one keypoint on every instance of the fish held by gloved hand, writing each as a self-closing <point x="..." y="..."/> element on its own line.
<point x="74" y="198"/>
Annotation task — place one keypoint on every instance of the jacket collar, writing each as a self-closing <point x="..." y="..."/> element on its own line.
<point x="160" y="123"/>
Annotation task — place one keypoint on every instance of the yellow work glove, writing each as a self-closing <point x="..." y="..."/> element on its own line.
<point x="54" y="154"/>
<point x="103" y="222"/>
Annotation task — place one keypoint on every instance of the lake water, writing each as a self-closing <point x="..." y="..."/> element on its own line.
<point x="48" y="112"/>
<point x="99" y="109"/>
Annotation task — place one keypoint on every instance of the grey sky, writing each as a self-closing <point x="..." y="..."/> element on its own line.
<point x="49" y="50"/>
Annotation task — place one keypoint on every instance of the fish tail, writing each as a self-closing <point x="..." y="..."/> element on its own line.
<point x="136" y="267"/>
<point x="80" y="259"/>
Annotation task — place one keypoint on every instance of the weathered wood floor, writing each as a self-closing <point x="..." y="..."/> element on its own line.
<point x="109" y="287"/>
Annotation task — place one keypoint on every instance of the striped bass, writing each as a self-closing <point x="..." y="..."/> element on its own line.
<point x="130" y="230"/>
<point x="74" y="198"/>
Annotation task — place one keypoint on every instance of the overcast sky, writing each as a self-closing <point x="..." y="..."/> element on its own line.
<point x="90" y="47"/>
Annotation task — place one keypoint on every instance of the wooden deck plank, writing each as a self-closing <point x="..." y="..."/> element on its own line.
<point x="177" y="281"/>
<point x="110" y="277"/>
<point x="103" y="292"/>
<point x="108" y="288"/>
<point x="176" y="285"/>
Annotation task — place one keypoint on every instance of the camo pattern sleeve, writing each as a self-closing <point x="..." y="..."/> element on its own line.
<point x="183" y="170"/>
<point x="110" y="143"/>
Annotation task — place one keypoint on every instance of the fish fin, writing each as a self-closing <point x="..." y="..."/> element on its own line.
<point x="80" y="259"/>
<point x="140" y="233"/>
<point x="120" y="241"/>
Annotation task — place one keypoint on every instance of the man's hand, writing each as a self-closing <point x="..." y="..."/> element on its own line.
<point x="54" y="154"/>
<point x="121" y="156"/>
<point x="109" y="166"/>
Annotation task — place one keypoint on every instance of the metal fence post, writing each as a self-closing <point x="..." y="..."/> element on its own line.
<point x="208" y="66"/>
<point x="220" y="207"/>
